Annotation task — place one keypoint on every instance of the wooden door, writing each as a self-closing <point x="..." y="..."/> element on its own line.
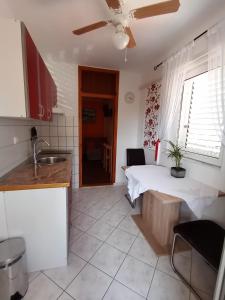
<point x="92" y="84"/>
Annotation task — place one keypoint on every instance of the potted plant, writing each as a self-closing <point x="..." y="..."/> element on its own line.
<point x="175" y="153"/>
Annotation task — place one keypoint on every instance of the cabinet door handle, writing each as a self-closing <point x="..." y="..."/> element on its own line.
<point x="49" y="114"/>
<point x="41" y="114"/>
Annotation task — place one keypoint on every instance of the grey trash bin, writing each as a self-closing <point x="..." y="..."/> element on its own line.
<point x="13" y="274"/>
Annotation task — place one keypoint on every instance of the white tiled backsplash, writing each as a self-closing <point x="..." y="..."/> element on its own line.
<point x="61" y="133"/>
<point x="13" y="152"/>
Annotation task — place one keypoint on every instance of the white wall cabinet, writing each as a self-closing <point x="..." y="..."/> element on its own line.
<point x="12" y="89"/>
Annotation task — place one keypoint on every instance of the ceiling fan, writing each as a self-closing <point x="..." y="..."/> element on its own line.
<point x="123" y="37"/>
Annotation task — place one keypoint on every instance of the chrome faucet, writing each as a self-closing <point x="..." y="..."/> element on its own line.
<point x="35" y="151"/>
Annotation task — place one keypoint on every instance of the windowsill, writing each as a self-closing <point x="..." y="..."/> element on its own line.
<point x="214" y="162"/>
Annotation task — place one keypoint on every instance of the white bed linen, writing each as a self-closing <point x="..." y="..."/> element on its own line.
<point x="150" y="177"/>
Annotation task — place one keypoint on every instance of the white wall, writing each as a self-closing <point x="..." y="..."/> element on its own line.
<point x="12" y="154"/>
<point x="66" y="79"/>
<point x="149" y="153"/>
<point x="216" y="212"/>
<point x="5" y="10"/>
<point x="128" y="120"/>
<point x="62" y="133"/>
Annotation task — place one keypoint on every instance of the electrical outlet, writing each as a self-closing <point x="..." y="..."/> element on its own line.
<point x="15" y="140"/>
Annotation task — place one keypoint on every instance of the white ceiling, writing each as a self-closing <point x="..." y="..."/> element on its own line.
<point x="51" y="22"/>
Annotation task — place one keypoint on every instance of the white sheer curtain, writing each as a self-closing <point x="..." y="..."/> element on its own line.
<point x="216" y="74"/>
<point x="174" y="70"/>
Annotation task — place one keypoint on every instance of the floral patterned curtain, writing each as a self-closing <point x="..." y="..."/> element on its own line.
<point x="152" y="103"/>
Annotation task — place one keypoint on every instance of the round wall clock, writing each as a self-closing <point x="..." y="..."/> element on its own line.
<point x="129" y="97"/>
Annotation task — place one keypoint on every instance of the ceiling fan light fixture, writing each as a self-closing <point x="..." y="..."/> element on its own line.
<point x="120" y="40"/>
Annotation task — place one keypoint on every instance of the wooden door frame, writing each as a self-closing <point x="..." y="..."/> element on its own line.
<point x="115" y="120"/>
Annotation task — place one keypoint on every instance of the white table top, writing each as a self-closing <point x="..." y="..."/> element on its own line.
<point x="150" y="177"/>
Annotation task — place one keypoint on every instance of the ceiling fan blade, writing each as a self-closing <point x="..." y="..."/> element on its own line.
<point x="156" y="9"/>
<point x="114" y="4"/>
<point x="91" y="27"/>
<point x="132" y="43"/>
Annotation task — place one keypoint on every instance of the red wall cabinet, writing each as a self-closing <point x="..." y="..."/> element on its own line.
<point x="42" y="92"/>
<point x="26" y="86"/>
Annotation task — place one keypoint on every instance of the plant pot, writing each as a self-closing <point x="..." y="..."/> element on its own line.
<point x="177" y="172"/>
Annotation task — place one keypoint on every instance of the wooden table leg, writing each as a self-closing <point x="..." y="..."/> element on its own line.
<point x="160" y="212"/>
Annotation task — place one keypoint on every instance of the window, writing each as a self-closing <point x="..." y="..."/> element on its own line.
<point x="202" y="117"/>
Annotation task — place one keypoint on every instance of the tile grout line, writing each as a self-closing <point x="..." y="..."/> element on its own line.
<point x="88" y="262"/>
<point x="127" y="254"/>
<point x="64" y="289"/>
<point x="102" y="243"/>
<point x="100" y="217"/>
<point x="115" y="227"/>
<point x="152" y="279"/>
<point x="86" y="232"/>
<point x="103" y="199"/>
<point x="34" y="278"/>
<point x="42" y="272"/>
<point x="114" y="278"/>
<point x="105" y="242"/>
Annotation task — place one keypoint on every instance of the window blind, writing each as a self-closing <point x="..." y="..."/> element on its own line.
<point x="203" y="114"/>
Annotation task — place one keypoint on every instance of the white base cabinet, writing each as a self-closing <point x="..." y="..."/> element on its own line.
<point x="40" y="216"/>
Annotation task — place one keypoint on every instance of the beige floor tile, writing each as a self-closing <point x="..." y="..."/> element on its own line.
<point x="42" y="288"/>
<point x="86" y="246"/>
<point x="83" y="222"/>
<point x="90" y="284"/>
<point x="118" y="291"/>
<point x="136" y="275"/>
<point x="129" y="225"/>
<point x="143" y="251"/>
<point x="101" y="230"/>
<point x="165" y="287"/>
<point x="65" y="296"/>
<point x="120" y="239"/>
<point x="64" y="275"/>
<point x="113" y="217"/>
<point x="108" y="259"/>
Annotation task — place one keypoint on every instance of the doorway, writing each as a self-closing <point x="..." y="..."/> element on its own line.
<point x="98" y="106"/>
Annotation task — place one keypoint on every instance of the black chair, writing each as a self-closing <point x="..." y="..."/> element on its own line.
<point x="206" y="237"/>
<point x="135" y="157"/>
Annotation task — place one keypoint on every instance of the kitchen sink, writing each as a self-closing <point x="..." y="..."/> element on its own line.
<point x="49" y="160"/>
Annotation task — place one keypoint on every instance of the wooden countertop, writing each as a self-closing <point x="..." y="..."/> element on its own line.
<point x="28" y="176"/>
